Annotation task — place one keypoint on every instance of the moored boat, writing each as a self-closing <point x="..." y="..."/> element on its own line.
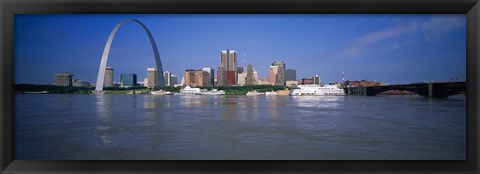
<point x="190" y="91"/>
<point x="316" y="90"/>
<point x="161" y="92"/>
<point x="214" y="92"/>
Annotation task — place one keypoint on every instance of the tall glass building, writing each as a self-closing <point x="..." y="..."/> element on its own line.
<point x="290" y="74"/>
<point x="128" y="80"/>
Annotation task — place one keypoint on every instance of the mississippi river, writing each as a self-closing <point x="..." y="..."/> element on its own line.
<point x="110" y="127"/>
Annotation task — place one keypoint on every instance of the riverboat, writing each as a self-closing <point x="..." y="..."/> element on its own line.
<point x="214" y="92"/>
<point x="317" y="90"/>
<point x="190" y="91"/>
<point x="161" y="92"/>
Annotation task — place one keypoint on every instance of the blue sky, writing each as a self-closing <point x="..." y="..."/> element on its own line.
<point x="389" y="48"/>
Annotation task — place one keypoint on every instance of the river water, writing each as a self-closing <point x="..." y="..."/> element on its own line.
<point x="110" y="127"/>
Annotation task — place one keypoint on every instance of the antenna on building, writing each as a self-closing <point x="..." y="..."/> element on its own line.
<point x="343" y="76"/>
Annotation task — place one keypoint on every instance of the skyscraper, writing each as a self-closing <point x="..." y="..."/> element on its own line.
<point x="174" y="80"/>
<point x="221" y="76"/>
<point x="196" y="78"/>
<point x="128" y="80"/>
<point x="152" y="77"/>
<point x="63" y="79"/>
<point x="272" y="74"/>
<point x="280" y="78"/>
<point x="189" y="77"/>
<point x="250" y="80"/>
<point x="229" y="62"/>
<point x="202" y="78"/>
<point x="290" y="74"/>
<point x="211" y="75"/>
<point x="108" y="82"/>
<point x="168" y="78"/>
<point x="316" y="80"/>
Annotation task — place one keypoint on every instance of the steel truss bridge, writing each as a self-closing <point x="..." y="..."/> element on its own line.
<point x="439" y="89"/>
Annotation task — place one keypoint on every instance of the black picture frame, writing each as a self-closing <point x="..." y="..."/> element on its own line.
<point x="8" y="8"/>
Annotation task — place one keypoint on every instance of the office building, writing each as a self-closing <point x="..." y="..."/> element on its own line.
<point x="128" y="80"/>
<point x="316" y="80"/>
<point x="306" y="81"/>
<point x="194" y="78"/>
<point x="189" y="77"/>
<point x="108" y="82"/>
<point x="173" y="80"/>
<point x="290" y="74"/>
<point x="229" y="62"/>
<point x="81" y="83"/>
<point x="250" y="79"/>
<point x="152" y="77"/>
<point x="272" y="74"/>
<point x="211" y="75"/>
<point x="63" y="79"/>
<point x="221" y="76"/>
<point x="290" y="83"/>
<point x="239" y="70"/>
<point x="241" y="79"/>
<point x="168" y="78"/>
<point x="202" y="78"/>
<point x="280" y="75"/>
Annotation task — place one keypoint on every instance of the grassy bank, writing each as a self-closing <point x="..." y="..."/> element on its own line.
<point x="22" y="88"/>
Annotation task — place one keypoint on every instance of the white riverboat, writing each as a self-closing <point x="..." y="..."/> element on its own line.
<point x="316" y="90"/>
<point x="254" y="93"/>
<point x="190" y="91"/>
<point x="214" y="92"/>
<point x="161" y="92"/>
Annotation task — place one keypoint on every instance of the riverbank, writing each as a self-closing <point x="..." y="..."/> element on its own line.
<point x="229" y="90"/>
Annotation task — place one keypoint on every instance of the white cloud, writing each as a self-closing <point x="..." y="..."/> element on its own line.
<point x="433" y="28"/>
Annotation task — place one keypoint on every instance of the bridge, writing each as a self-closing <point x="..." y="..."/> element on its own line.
<point x="438" y="89"/>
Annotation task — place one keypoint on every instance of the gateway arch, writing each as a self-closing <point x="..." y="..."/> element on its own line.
<point x="106" y="51"/>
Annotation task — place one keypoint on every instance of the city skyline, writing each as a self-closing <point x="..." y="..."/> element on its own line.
<point x="439" y="54"/>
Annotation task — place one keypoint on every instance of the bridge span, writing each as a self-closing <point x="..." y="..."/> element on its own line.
<point x="438" y="89"/>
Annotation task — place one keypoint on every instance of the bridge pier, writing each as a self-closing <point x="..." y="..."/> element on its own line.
<point x="362" y="91"/>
